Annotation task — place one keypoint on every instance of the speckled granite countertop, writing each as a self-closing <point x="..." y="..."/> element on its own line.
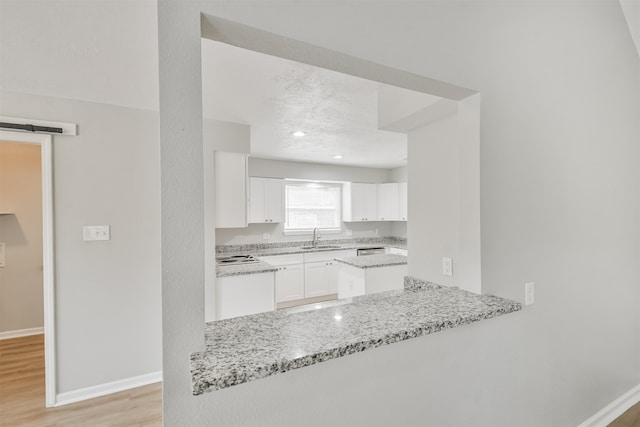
<point x="288" y="248"/>
<point x="248" y="348"/>
<point x="373" y="261"/>
<point x="242" y="269"/>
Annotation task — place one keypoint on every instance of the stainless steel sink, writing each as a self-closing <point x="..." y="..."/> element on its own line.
<point x="321" y="247"/>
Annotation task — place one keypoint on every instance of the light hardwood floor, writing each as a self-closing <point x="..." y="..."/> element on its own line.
<point x="22" y="395"/>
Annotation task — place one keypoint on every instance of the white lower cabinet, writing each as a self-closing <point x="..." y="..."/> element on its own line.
<point x="321" y="272"/>
<point x="289" y="276"/>
<point x="354" y="281"/>
<point x="308" y="275"/>
<point x="319" y="278"/>
<point x="290" y="283"/>
<point x="244" y="295"/>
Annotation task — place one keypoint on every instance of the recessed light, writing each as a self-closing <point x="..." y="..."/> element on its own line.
<point x="337" y="156"/>
<point x="337" y="317"/>
<point x="298" y="133"/>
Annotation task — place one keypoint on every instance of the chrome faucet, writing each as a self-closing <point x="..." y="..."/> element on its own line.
<point x="316" y="236"/>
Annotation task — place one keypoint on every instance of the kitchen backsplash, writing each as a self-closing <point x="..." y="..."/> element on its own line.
<point x="256" y="233"/>
<point x="390" y="240"/>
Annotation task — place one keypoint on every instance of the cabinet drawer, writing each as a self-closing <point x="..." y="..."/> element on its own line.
<point x="278" y="260"/>
<point x="328" y="255"/>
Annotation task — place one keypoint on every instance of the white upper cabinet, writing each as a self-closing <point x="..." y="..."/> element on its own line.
<point x="266" y="200"/>
<point x="231" y="189"/>
<point x="402" y="201"/>
<point x="360" y="202"/>
<point x="388" y="202"/>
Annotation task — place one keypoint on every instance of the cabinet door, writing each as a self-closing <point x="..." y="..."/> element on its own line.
<point x="243" y="295"/>
<point x="316" y="281"/>
<point x="370" y="201"/>
<point x="257" y="200"/>
<point x="388" y="205"/>
<point x="274" y="200"/>
<point x="402" y="201"/>
<point x="332" y="277"/>
<point x="231" y="189"/>
<point x="363" y="200"/>
<point x="358" y="210"/>
<point x="266" y="200"/>
<point x="290" y="283"/>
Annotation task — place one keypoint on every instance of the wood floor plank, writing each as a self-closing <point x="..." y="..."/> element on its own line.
<point x="22" y="397"/>
<point x="631" y="418"/>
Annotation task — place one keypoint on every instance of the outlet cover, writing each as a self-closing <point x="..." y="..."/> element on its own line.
<point x="1" y="254"/>
<point x="529" y="293"/>
<point x="447" y="267"/>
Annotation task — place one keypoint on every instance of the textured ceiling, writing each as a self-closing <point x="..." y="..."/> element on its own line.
<point x="338" y="112"/>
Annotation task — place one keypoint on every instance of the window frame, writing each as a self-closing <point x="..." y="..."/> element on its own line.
<point x="306" y="231"/>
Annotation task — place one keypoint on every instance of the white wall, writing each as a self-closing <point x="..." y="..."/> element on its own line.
<point x="631" y="10"/>
<point x="21" y="301"/>
<point x="559" y="206"/>
<point x="445" y="198"/>
<point x="98" y="51"/>
<point x="107" y="293"/>
<point x="316" y="171"/>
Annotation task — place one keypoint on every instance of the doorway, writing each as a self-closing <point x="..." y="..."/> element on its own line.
<point x="19" y="236"/>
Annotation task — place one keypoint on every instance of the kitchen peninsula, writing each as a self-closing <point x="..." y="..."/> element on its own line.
<point x="248" y="348"/>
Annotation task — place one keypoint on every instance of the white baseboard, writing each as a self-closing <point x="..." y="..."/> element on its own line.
<point x="613" y="410"/>
<point x="21" y="333"/>
<point x="107" y="388"/>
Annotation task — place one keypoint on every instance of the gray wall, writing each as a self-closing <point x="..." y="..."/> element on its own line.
<point x="444" y="198"/>
<point x="559" y="206"/>
<point x="107" y="293"/>
<point x="21" y="302"/>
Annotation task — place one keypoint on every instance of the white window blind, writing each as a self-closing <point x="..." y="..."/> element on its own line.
<point x="312" y="205"/>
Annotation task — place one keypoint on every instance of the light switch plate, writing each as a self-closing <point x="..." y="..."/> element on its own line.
<point x="96" y="232"/>
<point x="1" y="254"/>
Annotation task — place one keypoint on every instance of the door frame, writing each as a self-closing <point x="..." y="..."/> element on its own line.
<point x="48" y="273"/>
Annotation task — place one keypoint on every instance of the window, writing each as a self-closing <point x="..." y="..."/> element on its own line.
<point x="312" y="205"/>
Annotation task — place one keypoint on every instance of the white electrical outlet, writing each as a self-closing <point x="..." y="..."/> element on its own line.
<point x="266" y="236"/>
<point x="447" y="267"/>
<point x="349" y="232"/>
<point x="1" y="254"/>
<point x="529" y="293"/>
<point x="96" y="232"/>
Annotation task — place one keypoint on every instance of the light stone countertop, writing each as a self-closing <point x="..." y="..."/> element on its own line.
<point x="373" y="261"/>
<point x="243" y="269"/>
<point x="248" y="348"/>
<point x="286" y="248"/>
